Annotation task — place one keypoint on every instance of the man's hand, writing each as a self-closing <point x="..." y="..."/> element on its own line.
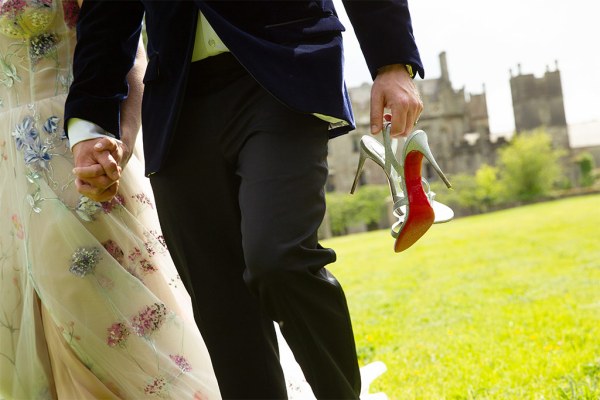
<point x="98" y="167"/>
<point x="395" y="90"/>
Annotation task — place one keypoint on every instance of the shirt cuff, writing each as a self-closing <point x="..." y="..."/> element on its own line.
<point x="81" y="130"/>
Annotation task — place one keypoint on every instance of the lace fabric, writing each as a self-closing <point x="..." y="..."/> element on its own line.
<point x="98" y="274"/>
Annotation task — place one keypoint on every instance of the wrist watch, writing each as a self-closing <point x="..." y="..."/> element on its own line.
<point x="410" y="70"/>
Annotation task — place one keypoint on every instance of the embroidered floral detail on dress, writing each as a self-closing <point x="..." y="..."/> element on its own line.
<point x="19" y="232"/>
<point x="160" y="238"/>
<point x="38" y="155"/>
<point x="157" y="387"/>
<point x="26" y="18"/>
<point x="87" y="208"/>
<point x="12" y="8"/>
<point x="25" y="133"/>
<point x="114" y="250"/>
<point x="181" y="362"/>
<point x="51" y="125"/>
<point x="36" y="152"/>
<point x="147" y="267"/>
<point x="32" y="176"/>
<point x="8" y="72"/>
<point x="109" y="206"/>
<point x="135" y="253"/>
<point x="149" y="319"/>
<point x="143" y="199"/>
<point x="35" y="201"/>
<point x="84" y="260"/>
<point x="42" y="45"/>
<point x="70" y="332"/>
<point x="3" y="155"/>
<point x="117" y="334"/>
<point x="70" y="12"/>
<point x="137" y="259"/>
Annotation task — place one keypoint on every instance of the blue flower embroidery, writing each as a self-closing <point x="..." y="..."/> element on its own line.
<point x="25" y="133"/>
<point x="51" y="125"/>
<point x="37" y="154"/>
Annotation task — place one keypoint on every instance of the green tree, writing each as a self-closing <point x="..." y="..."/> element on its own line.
<point x="475" y="193"/>
<point x="369" y="205"/>
<point x="489" y="190"/>
<point x="586" y="167"/>
<point x="366" y="206"/>
<point x="339" y="211"/>
<point x="529" y="166"/>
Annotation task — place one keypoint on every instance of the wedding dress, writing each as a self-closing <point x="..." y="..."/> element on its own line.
<point x="91" y="305"/>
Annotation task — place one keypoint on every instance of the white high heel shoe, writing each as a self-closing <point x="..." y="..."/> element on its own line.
<point x="416" y="194"/>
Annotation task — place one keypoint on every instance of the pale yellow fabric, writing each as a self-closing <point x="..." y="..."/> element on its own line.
<point x="72" y="379"/>
<point x="207" y="43"/>
<point x="116" y="317"/>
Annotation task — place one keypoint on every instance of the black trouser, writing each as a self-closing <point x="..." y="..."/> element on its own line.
<point x="240" y="198"/>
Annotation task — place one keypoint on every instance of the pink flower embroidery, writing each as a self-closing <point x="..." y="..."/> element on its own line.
<point x="117" y="334"/>
<point x="135" y="253"/>
<point x="149" y="319"/>
<point x="142" y="198"/>
<point x="19" y="232"/>
<point x="156" y="387"/>
<point x="70" y="12"/>
<point x="149" y="249"/>
<point x="108" y="206"/>
<point x="181" y="362"/>
<point x="114" y="250"/>
<point x="147" y="266"/>
<point x="12" y="7"/>
<point x="160" y="238"/>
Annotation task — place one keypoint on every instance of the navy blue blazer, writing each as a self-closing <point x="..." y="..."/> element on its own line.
<point x="292" y="48"/>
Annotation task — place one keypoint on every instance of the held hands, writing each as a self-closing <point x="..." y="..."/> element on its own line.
<point x="394" y="89"/>
<point x="98" y="166"/>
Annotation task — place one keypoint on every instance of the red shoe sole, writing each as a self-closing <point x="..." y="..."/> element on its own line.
<point x="420" y="214"/>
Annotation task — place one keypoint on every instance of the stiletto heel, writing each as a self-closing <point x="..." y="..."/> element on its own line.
<point x="420" y="214"/>
<point x="361" y="163"/>
<point x="414" y="203"/>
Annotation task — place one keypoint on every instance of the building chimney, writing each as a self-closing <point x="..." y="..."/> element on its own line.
<point x="444" y="67"/>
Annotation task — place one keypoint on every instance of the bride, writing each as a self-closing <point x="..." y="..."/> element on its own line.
<point x="91" y="305"/>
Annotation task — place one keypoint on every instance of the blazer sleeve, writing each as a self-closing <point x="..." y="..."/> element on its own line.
<point x="107" y="38"/>
<point x="384" y="31"/>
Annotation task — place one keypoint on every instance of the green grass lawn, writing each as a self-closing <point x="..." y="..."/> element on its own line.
<point x="504" y="305"/>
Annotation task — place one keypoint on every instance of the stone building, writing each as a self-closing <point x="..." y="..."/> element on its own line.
<point x="456" y="123"/>
<point x="538" y="102"/>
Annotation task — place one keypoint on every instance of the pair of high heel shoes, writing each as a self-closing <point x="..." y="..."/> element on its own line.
<point x="414" y="203"/>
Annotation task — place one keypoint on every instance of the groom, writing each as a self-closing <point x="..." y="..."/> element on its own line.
<point x="240" y="100"/>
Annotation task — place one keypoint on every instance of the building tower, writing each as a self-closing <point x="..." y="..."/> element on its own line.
<point x="538" y="103"/>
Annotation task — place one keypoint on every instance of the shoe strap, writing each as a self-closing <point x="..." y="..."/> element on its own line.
<point x="390" y="156"/>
